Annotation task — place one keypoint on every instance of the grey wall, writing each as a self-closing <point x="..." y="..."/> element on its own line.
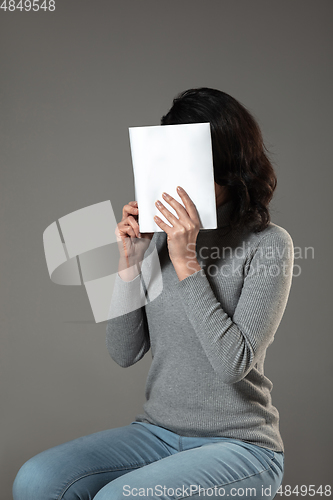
<point x="72" y="82"/>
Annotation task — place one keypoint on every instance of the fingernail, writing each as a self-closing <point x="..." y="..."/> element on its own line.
<point x="179" y="188"/>
<point x="139" y="235"/>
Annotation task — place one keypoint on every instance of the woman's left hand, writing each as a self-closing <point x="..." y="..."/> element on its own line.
<point x="182" y="236"/>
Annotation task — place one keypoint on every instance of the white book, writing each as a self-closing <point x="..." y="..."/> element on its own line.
<point x="167" y="156"/>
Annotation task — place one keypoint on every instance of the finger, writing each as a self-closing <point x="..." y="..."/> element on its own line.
<point x="124" y="232"/>
<point x="167" y="214"/>
<point x="127" y="230"/>
<point x="162" y="225"/>
<point x="134" y="225"/>
<point x="130" y="227"/>
<point x="130" y="208"/>
<point x="178" y="207"/>
<point x="189" y="205"/>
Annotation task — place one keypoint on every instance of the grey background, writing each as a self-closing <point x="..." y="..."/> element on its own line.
<point x="72" y="82"/>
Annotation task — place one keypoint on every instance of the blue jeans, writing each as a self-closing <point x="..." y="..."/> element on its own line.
<point x="142" y="460"/>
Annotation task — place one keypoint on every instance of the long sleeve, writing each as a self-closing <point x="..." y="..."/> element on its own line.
<point x="127" y="336"/>
<point x="234" y="345"/>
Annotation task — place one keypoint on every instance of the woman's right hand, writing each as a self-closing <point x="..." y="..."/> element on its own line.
<point x="132" y="244"/>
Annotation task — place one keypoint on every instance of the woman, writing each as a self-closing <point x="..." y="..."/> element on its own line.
<point x="209" y="427"/>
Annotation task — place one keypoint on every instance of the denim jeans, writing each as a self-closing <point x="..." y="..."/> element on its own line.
<point x="142" y="460"/>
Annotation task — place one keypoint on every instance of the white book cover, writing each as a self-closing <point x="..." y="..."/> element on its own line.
<point x="167" y="156"/>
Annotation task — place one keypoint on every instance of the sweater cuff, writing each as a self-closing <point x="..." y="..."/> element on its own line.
<point x="201" y="304"/>
<point x="190" y="284"/>
<point x="127" y="296"/>
<point x="196" y="293"/>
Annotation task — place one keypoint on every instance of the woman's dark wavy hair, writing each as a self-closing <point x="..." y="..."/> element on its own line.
<point x="240" y="157"/>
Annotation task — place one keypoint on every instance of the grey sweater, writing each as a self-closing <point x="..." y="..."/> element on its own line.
<point x="208" y="334"/>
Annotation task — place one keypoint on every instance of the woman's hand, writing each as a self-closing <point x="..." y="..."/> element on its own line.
<point x="132" y="245"/>
<point x="182" y="236"/>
